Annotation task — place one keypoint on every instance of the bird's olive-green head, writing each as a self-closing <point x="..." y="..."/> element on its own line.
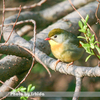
<point x="57" y="35"/>
<point x="55" y="31"/>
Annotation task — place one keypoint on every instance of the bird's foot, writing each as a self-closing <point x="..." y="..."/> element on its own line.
<point x="56" y="64"/>
<point x="69" y="64"/>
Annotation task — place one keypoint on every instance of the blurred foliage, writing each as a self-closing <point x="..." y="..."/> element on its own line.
<point x="27" y="37"/>
<point x="25" y="91"/>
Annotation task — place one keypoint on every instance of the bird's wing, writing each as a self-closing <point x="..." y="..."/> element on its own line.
<point x="72" y="38"/>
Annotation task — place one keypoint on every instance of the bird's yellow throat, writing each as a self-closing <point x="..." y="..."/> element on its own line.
<point x="56" y="46"/>
<point x="53" y="43"/>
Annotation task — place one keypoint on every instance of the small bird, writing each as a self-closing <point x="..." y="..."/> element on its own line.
<point x="65" y="46"/>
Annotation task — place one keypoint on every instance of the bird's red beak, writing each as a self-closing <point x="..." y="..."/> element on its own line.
<point x="47" y="39"/>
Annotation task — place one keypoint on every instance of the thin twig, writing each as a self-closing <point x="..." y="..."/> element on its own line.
<point x="3" y="19"/>
<point x="84" y="20"/>
<point x="96" y="54"/>
<point x="98" y="1"/>
<point x="29" y="52"/>
<point x="14" y="24"/>
<point x="25" y="7"/>
<point x="24" y="30"/>
<point x="77" y="88"/>
<point x="32" y="21"/>
<point x="32" y="66"/>
<point x="98" y="20"/>
<point x="33" y="55"/>
<point x="26" y="74"/>
<point x="34" y="34"/>
<point x="20" y="22"/>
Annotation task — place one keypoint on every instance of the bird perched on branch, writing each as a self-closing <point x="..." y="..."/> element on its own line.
<point x="65" y="46"/>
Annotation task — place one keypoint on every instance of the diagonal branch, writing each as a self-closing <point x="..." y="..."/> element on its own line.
<point x="78" y="71"/>
<point x="55" y="12"/>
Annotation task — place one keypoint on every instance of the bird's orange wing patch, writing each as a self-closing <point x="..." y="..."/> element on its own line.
<point x="80" y="45"/>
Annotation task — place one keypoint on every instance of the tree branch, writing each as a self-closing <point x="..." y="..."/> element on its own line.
<point x="12" y="65"/>
<point x="70" y="23"/>
<point x="55" y="12"/>
<point x="78" y="71"/>
<point x="44" y="46"/>
<point x="77" y="88"/>
<point x="11" y="49"/>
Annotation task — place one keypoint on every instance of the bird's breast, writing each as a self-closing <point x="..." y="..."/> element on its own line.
<point x="66" y="52"/>
<point x="56" y="48"/>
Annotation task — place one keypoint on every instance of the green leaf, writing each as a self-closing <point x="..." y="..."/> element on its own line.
<point x="14" y="90"/>
<point x="88" y="50"/>
<point x="92" y="39"/>
<point x="86" y="19"/>
<point x="84" y="22"/>
<point x="22" y="89"/>
<point x="98" y="49"/>
<point x="98" y="56"/>
<point x="87" y="58"/>
<point x="92" y="45"/>
<point x="92" y="52"/>
<point x="81" y="37"/>
<point x="85" y="27"/>
<point x="88" y="32"/>
<point x="23" y="98"/>
<point x="82" y="43"/>
<point x="82" y="30"/>
<point x="33" y="87"/>
<point x="96" y="42"/>
<point x="29" y="87"/>
<point x="86" y="45"/>
<point x="80" y="24"/>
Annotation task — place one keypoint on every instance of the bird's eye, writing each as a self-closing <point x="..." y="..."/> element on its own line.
<point x="55" y="36"/>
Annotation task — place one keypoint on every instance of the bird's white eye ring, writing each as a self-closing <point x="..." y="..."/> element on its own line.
<point x="55" y="36"/>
